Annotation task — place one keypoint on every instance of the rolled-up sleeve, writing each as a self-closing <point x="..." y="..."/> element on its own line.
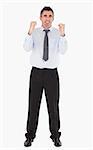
<point x="28" y="43"/>
<point x="62" y="45"/>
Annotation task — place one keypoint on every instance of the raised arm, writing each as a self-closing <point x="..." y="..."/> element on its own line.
<point x="62" y="39"/>
<point x="29" y="43"/>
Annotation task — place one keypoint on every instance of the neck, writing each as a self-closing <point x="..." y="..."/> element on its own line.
<point x="46" y="27"/>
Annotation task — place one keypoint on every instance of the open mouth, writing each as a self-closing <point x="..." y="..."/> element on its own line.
<point x="47" y="22"/>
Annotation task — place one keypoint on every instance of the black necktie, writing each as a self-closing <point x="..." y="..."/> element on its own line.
<point x="46" y="46"/>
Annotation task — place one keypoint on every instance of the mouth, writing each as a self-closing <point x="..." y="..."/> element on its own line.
<point x="47" y="22"/>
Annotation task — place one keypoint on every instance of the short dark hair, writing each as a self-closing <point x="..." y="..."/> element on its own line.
<point x="46" y="8"/>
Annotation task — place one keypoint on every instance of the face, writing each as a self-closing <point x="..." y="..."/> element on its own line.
<point x="47" y="19"/>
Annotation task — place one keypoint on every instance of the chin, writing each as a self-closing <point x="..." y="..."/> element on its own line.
<point x="47" y="26"/>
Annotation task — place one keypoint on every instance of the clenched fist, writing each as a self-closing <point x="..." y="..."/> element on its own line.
<point x="32" y="27"/>
<point x="62" y="29"/>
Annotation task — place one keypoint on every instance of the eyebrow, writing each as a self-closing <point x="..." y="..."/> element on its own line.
<point x="49" y="15"/>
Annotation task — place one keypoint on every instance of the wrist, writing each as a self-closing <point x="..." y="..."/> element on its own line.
<point x="63" y="35"/>
<point x="29" y="32"/>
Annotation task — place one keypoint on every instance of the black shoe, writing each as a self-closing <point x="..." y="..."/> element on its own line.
<point x="28" y="142"/>
<point x="57" y="142"/>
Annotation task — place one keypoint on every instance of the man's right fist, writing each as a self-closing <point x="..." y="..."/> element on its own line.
<point x="33" y="24"/>
<point x="32" y="27"/>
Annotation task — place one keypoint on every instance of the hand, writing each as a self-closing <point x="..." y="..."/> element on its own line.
<point x="32" y="27"/>
<point x="62" y="29"/>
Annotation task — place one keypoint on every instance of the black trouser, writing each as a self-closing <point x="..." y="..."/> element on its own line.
<point x="47" y="79"/>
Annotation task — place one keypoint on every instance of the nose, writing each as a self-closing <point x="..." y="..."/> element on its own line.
<point x="47" y="18"/>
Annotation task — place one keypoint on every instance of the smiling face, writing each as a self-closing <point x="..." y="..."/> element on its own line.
<point x="47" y="18"/>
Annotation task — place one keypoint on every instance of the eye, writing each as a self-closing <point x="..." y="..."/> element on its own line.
<point x="50" y="16"/>
<point x="45" y="15"/>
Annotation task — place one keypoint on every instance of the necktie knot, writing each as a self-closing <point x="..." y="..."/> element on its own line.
<point x="46" y="31"/>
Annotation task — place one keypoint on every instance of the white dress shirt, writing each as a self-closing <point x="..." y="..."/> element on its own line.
<point x="34" y="43"/>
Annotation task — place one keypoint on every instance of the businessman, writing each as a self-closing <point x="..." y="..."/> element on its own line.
<point x="45" y="44"/>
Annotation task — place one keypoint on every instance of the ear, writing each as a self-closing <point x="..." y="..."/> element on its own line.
<point x="53" y="17"/>
<point x="40" y="17"/>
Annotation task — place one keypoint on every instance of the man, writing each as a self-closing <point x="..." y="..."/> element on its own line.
<point x="45" y="44"/>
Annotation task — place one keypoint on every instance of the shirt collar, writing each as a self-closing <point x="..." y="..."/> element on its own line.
<point x="42" y="28"/>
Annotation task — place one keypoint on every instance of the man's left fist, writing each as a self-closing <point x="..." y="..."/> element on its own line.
<point x="62" y="29"/>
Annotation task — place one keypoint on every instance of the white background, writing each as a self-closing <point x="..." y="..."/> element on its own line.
<point x="74" y="72"/>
